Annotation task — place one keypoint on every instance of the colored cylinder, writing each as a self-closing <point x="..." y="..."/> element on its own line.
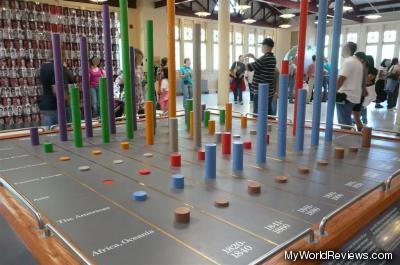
<point x="189" y="108"/>
<point x="222" y="116"/>
<point x="218" y="137"/>
<point x="366" y="136"/>
<point x="191" y="126"/>
<point x="175" y="159"/>
<point x="197" y="85"/>
<point x="319" y="71"/>
<point x="48" y="147"/>
<point x="262" y="124"/>
<point x="201" y="155"/>
<point x="285" y="68"/>
<point x="150" y="92"/>
<point x="210" y="164"/>
<point x="243" y="122"/>
<point x="123" y="11"/>
<point x="139" y="196"/>
<point x="206" y="118"/>
<point x="173" y="134"/>
<point x="237" y="157"/>
<point x="59" y="83"/>
<point x="226" y="140"/>
<point x="228" y="118"/>
<point x="203" y="109"/>
<point x="301" y="49"/>
<point x="178" y="181"/>
<point x="301" y="117"/>
<point x="34" y="135"/>
<point x="87" y="110"/>
<point x="148" y="110"/>
<point x="211" y="127"/>
<point x="282" y="115"/>
<point x="247" y="145"/>
<point x="76" y="116"/>
<point x="108" y="66"/>
<point x="105" y="125"/>
<point x="171" y="56"/>
<point x="330" y="110"/>
<point x="133" y="87"/>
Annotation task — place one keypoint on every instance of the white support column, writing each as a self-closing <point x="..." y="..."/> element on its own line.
<point x="223" y="43"/>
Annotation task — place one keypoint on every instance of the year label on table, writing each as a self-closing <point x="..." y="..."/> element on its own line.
<point x="237" y="249"/>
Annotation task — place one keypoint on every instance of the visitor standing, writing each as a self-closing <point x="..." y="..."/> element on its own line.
<point x="380" y="84"/>
<point x="185" y="74"/>
<point x="392" y="84"/>
<point x="95" y="72"/>
<point x="237" y="85"/>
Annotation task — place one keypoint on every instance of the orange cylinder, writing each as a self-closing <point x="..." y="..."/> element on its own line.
<point x="171" y="56"/>
<point x="228" y="117"/>
<point x="191" y="121"/>
<point x="243" y="121"/>
<point x="211" y="127"/>
<point x="148" y="110"/>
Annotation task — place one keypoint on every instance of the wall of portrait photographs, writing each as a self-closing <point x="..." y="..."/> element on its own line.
<point x="25" y="41"/>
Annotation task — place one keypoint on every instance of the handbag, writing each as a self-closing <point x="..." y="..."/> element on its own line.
<point x="340" y="97"/>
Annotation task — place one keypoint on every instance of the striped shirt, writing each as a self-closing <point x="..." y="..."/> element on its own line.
<point x="264" y="72"/>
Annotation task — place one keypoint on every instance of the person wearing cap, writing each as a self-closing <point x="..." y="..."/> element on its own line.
<point x="265" y="72"/>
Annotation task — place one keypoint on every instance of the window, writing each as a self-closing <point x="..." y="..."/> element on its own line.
<point x="260" y="39"/>
<point x="352" y="36"/>
<point x="373" y="37"/>
<point x="188" y="42"/>
<point x="389" y="36"/>
<point x="372" y="50"/>
<point x="372" y="44"/>
<point x="389" y="39"/>
<point x="215" y="50"/>
<point x="326" y="45"/>
<point x="177" y="48"/>
<point x="239" y="44"/>
<point x="203" y="50"/>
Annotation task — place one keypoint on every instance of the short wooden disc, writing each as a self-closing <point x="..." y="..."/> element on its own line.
<point x="64" y="158"/>
<point x="221" y="202"/>
<point x="304" y="169"/>
<point x="96" y="152"/>
<point x="253" y="187"/>
<point x="339" y="152"/>
<point x="322" y="162"/>
<point x="281" y="179"/>
<point x="182" y="215"/>
<point x="353" y="149"/>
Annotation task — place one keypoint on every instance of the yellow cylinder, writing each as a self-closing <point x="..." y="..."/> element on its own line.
<point x="228" y="117"/>
<point x="124" y="145"/>
<point x="191" y="127"/>
<point x="148" y="109"/>
<point x="243" y="122"/>
<point x="211" y="127"/>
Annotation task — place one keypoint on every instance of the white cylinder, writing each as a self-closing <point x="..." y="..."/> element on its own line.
<point x="223" y="46"/>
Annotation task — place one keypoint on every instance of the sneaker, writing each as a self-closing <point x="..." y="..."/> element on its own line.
<point x="241" y="102"/>
<point x="291" y="101"/>
<point x="378" y="106"/>
<point x="235" y="102"/>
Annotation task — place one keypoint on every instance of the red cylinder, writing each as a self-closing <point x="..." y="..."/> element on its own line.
<point x="226" y="143"/>
<point x="285" y="68"/>
<point x="175" y="160"/>
<point x="201" y="155"/>
<point x="247" y="144"/>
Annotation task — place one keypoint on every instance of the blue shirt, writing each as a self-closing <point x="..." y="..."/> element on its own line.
<point x="186" y="71"/>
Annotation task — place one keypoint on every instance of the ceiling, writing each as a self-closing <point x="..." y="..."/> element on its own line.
<point x="267" y="12"/>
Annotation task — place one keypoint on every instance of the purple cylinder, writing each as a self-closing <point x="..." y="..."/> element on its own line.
<point x="133" y="86"/>
<point x="59" y="83"/>
<point x="87" y="110"/>
<point x="108" y="66"/>
<point x="34" y="136"/>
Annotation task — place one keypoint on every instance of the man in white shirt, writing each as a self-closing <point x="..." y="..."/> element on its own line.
<point x="349" y="84"/>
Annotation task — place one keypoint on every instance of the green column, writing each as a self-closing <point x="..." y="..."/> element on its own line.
<point x="76" y="116"/>
<point x="189" y="108"/>
<point x="150" y="67"/>
<point x="222" y="116"/>
<point x="206" y="118"/>
<point x="123" y="18"/>
<point x="105" y="126"/>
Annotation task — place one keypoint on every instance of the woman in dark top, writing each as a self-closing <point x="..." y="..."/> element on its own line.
<point x="380" y="84"/>
<point x="237" y="74"/>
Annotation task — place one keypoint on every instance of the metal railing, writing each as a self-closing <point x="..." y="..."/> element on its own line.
<point x="389" y="180"/>
<point x="32" y="208"/>
<point x="50" y="229"/>
<point x="324" y="221"/>
<point x="310" y="238"/>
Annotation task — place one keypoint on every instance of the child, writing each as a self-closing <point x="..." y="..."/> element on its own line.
<point x="164" y="91"/>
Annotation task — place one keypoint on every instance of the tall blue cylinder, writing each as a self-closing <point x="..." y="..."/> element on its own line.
<point x="337" y="28"/>
<point x="301" y="118"/>
<point x="237" y="157"/>
<point x="282" y="115"/>
<point x="262" y="124"/>
<point x="210" y="163"/>
<point x="319" y="71"/>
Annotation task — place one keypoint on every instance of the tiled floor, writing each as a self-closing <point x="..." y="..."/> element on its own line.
<point x="377" y="118"/>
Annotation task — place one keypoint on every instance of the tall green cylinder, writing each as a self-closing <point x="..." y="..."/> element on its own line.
<point x="76" y="116"/>
<point x="150" y="66"/>
<point x="105" y="125"/>
<point x="222" y="116"/>
<point x="189" y="108"/>
<point x="206" y="118"/>
<point x="123" y="13"/>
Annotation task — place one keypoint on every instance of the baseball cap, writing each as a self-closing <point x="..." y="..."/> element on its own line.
<point x="269" y="42"/>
